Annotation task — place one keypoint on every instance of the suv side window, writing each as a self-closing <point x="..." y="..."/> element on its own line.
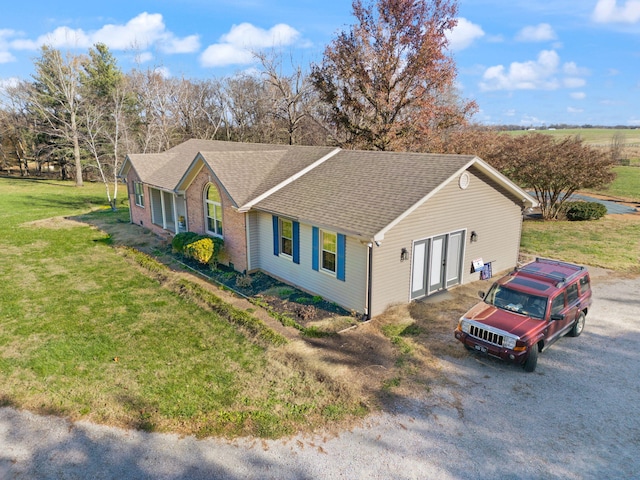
<point x="584" y="284"/>
<point x="572" y="293"/>
<point x="557" y="304"/>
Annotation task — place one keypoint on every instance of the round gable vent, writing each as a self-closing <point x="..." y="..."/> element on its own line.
<point x="464" y="180"/>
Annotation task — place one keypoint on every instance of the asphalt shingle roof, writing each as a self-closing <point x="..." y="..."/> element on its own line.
<point x="357" y="192"/>
<point x="362" y="192"/>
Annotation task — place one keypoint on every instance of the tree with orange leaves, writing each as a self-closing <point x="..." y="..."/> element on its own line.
<point x="388" y="81"/>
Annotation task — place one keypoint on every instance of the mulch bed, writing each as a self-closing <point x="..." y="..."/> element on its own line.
<point x="282" y="298"/>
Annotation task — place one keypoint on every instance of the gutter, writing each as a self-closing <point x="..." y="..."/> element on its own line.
<point x="369" y="280"/>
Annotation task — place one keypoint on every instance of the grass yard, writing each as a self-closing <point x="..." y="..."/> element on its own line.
<point x="626" y="185"/>
<point x="612" y="242"/>
<point x="86" y="333"/>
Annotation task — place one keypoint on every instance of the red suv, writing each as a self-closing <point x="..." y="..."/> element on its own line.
<point x="527" y="310"/>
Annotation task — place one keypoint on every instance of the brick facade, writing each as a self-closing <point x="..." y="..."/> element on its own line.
<point x="233" y="223"/>
<point x="140" y="215"/>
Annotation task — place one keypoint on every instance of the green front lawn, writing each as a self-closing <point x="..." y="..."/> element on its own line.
<point x="86" y="333"/>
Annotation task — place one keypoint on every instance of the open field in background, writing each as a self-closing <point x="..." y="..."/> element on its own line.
<point x="599" y="137"/>
<point x="594" y="136"/>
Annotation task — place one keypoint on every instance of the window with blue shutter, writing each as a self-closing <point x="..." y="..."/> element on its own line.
<point x="329" y="252"/>
<point x="286" y="238"/>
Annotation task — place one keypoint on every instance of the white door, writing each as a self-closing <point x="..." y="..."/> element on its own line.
<point x="418" y="269"/>
<point x="436" y="263"/>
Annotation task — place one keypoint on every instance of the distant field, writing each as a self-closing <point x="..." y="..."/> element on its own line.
<point x="600" y="137"/>
<point x="596" y="136"/>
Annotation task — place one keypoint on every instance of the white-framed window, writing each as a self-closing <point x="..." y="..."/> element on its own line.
<point x="286" y="237"/>
<point x="213" y="210"/>
<point x="328" y="251"/>
<point x="138" y="189"/>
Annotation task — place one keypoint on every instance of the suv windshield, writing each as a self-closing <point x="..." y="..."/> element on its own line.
<point x="514" y="301"/>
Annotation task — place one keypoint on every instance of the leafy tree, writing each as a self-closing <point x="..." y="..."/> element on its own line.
<point x="554" y="169"/>
<point x="388" y="80"/>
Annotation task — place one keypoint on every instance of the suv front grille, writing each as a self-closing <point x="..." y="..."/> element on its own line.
<point x="486" y="335"/>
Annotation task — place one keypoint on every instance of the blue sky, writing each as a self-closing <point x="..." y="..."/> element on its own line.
<point x="525" y="63"/>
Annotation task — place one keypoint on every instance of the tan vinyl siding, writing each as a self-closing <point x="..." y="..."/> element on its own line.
<point x="350" y="294"/>
<point x="484" y="207"/>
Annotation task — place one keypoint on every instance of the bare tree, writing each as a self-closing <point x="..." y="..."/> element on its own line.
<point x="55" y="98"/>
<point x="616" y="146"/>
<point x="158" y="128"/>
<point x="290" y="94"/>
<point x="247" y="108"/>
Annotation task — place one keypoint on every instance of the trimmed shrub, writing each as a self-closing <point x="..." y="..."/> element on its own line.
<point x="182" y="239"/>
<point x="580" y="211"/>
<point x="200" y="249"/>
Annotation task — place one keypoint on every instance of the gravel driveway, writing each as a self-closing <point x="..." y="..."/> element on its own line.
<point x="576" y="417"/>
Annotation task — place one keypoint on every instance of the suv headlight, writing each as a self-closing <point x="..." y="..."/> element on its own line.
<point x="509" y="343"/>
<point x="464" y="325"/>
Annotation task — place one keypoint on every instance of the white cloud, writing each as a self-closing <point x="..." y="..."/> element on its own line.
<point x="537" y="33"/>
<point x="575" y="110"/>
<point x="571" y="68"/>
<point x="6" y="57"/>
<point x="222" y="54"/>
<point x="463" y="34"/>
<point x="142" y="32"/>
<point x="608" y="11"/>
<point x="544" y="73"/>
<point x="531" y="75"/>
<point x="235" y="47"/>
<point x="5" y="54"/>
<point x="578" y="95"/>
<point x="574" y="82"/>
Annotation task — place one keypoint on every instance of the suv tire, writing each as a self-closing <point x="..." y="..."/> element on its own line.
<point x="578" y="327"/>
<point x="532" y="360"/>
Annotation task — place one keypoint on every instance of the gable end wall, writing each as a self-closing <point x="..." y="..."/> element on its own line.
<point x="233" y="223"/>
<point x="484" y="207"/>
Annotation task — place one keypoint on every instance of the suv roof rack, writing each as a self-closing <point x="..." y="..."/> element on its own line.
<point x="556" y="276"/>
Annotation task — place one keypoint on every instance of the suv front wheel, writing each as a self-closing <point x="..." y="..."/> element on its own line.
<point x="578" y="327"/>
<point x="532" y="360"/>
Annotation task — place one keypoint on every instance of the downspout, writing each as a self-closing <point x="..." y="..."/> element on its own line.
<point x="369" y="280"/>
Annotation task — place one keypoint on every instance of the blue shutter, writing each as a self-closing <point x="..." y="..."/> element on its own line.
<point x="296" y="242"/>
<point x="342" y="247"/>
<point x="315" y="248"/>
<point x="276" y="236"/>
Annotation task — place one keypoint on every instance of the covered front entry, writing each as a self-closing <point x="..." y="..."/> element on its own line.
<point x="168" y="210"/>
<point x="436" y="263"/>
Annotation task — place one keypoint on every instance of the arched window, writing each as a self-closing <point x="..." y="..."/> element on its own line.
<point x="213" y="210"/>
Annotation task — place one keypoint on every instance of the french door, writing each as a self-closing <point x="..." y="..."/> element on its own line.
<point x="436" y="263"/>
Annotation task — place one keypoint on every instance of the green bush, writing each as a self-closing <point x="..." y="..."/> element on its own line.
<point x="580" y="211"/>
<point x="201" y="248"/>
<point x="182" y="239"/>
